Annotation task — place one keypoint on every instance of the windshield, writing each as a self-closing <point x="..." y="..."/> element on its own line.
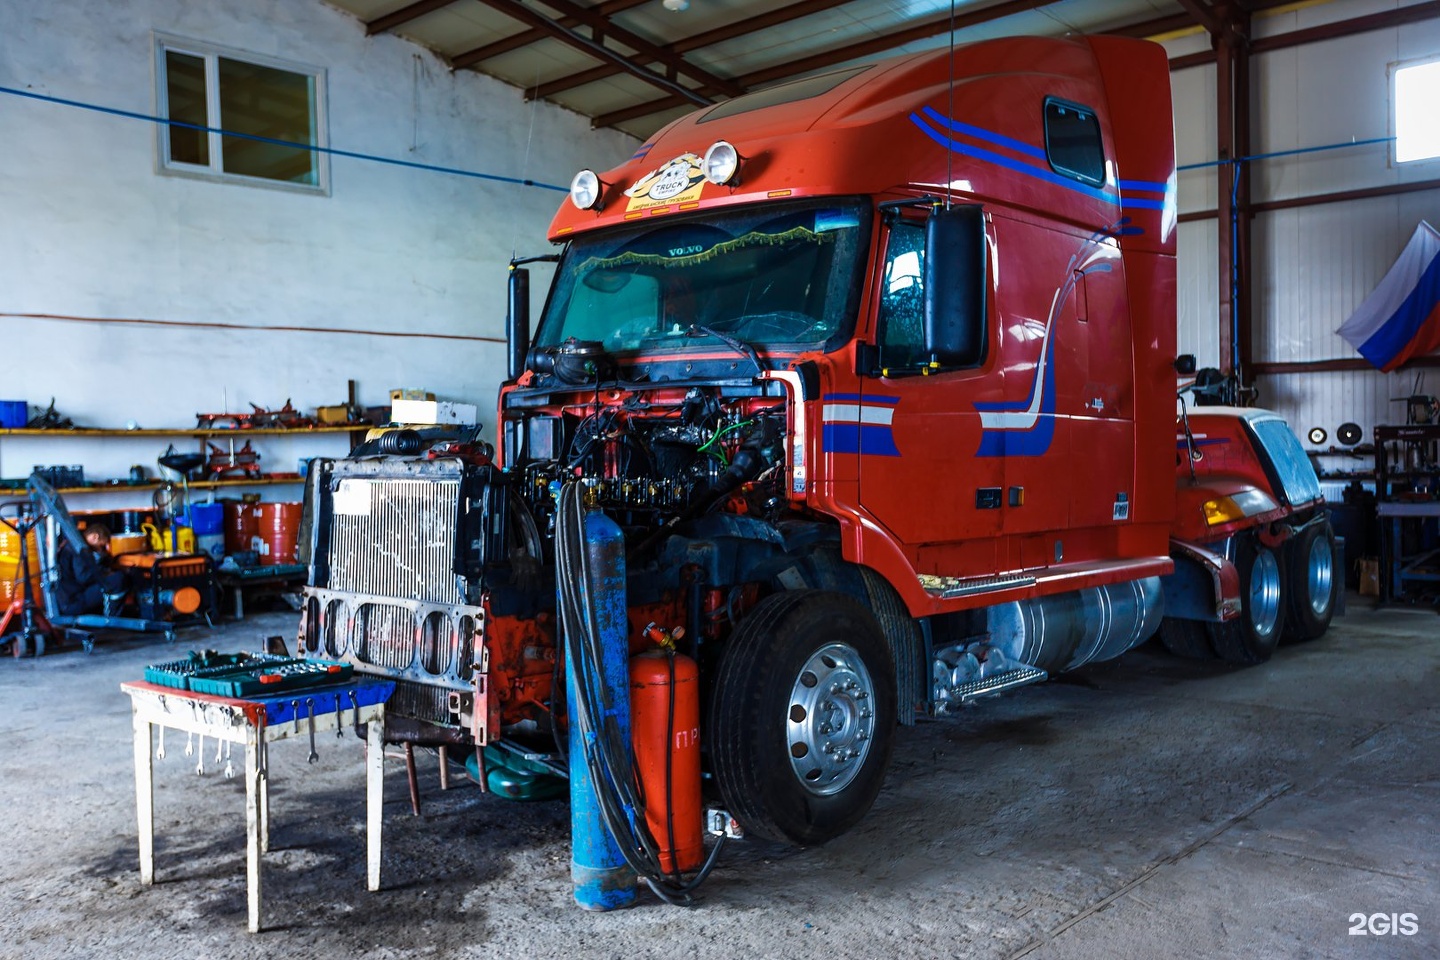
<point x="786" y="275"/>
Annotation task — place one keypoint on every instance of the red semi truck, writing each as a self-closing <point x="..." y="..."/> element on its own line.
<point x="875" y="370"/>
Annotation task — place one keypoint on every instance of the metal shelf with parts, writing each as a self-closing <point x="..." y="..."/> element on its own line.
<point x="255" y="723"/>
<point x="217" y="457"/>
<point x="99" y="432"/>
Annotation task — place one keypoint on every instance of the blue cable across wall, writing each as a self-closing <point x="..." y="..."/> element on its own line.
<point x="331" y="151"/>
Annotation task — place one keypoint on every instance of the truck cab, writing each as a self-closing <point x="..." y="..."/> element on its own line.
<point x="874" y="372"/>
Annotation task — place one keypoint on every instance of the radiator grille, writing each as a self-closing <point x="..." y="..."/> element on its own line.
<point x="421" y="702"/>
<point x="395" y="538"/>
<point x="384" y="636"/>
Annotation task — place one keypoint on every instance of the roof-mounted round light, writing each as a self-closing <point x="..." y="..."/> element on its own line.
<point x="585" y="190"/>
<point x="721" y="164"/>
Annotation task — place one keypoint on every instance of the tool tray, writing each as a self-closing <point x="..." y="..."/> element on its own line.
<point x="273" y="678"/>
<point x="206" y="664"/>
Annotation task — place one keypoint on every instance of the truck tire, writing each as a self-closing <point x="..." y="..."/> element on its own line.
<point x="1313" y="585"/>
<point x="1186" y="638"/>
<point x="803" y="716"/>
<point x="1251" y="637"/>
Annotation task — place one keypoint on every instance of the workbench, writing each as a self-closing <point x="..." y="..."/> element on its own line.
<point x="255" y="724"/>
<point x="262" y="581"/>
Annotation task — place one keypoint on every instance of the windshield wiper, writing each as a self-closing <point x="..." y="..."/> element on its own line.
<point x="739" y="346"/>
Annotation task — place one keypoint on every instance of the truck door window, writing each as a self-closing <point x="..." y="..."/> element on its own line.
<point x="902" y="298"/>
<point x="1072" y="141"/>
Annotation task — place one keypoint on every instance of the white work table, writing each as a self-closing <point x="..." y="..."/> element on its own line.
<point x="254" y="724"/>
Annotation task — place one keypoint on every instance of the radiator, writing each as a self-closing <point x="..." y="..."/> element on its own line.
<point x="385" y="596"/>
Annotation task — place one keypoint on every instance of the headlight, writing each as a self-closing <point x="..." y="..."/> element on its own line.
<point x="585" y="190"/>
<point x="721" y="163"/>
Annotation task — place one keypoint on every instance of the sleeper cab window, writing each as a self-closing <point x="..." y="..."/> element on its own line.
<point x="1072" y="141"/>
<point x="240" y="117"/>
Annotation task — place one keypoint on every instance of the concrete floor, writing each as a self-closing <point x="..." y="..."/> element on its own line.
<point x="1148" y="807"/>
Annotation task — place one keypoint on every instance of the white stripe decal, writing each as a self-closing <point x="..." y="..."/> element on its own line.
<point x="856" y="413"/>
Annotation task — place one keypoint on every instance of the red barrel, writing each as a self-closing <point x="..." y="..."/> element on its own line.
<point x="662" y="740"/>
<point x="240" y="526"/>
<point x="277" y="528"/>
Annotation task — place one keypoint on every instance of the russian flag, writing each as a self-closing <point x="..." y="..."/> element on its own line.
<point x="1401" y="317"/>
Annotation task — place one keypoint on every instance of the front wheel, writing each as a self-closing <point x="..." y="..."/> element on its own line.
<point x="1310" y="570"/>
<point x="1252" y="636"/>
<point x="803" y="716"/>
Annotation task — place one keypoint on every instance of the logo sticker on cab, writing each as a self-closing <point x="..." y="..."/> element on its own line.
<point x="679" y="180"/>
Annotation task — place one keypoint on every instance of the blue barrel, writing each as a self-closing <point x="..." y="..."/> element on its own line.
<point x="602" y="880"/>
<point x="207" y="519"/>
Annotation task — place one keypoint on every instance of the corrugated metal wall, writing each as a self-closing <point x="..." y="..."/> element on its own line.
<point x="1311" y="265"/>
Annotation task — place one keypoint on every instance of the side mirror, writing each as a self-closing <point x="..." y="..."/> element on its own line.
<point x="955" y="279"/>
<point x="1185" y="364"/>
<point x="517" y="321"/>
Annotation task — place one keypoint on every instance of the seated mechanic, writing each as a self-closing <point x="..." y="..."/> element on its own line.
<point x="86" y="583"/>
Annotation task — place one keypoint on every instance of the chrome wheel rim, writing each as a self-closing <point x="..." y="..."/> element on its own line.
<point x="1265" y="593"/>
<point x="1319" y="575"/>
<point x="830" y="719"/>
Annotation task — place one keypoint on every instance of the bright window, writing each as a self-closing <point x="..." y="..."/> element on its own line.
<point x="272" y="114"/>
<point x="1417" y="123"/>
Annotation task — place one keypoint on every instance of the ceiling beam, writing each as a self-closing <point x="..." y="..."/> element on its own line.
<point x="674" y="63"/>
<point x="1328" y="31"/>
<point x="526" y="37"/>
<point x="1154" y="28"/>
<point x="730" y="31"/>
<point x="1204" y="14"/>
<point x="830" y="58"/>
<point x="1344" y="28"/>
<point x="404" y="15"/>
<point x="597" y="49"/>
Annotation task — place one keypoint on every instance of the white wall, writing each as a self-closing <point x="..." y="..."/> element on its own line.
<point x="89" y="229"/>
<point x="1311" y="265"/>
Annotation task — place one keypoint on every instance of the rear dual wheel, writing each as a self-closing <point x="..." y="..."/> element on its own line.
<point x="1313" y="583"/>
<point x="1252" y="637"/>
<point x="803" y="716"/>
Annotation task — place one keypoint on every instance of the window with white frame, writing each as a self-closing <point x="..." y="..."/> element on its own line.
<point x="240" y="116"/>
<point x="1417" y="123"/>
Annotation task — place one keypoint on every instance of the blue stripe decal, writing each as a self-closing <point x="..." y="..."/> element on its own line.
<point x="1010" y="163"/>
<point x="1144" y="204"/>
<point x="1019" y="166"/>
<point x="1144" y="185"/>
<point x="875" y="439"/>
<point x="1034" y="442"/>
<point x="858" y="398"/>
<point x="980" y="133"/>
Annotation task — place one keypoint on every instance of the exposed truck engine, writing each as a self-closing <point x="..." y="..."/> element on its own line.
<point x="873" y="372"/>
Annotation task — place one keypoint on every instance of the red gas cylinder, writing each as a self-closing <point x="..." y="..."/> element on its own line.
<point x="277" y="526"/>
<point x="662" y="738"/>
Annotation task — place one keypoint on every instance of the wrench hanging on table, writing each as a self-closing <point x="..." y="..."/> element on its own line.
<point x="310" y="707"/>
<point x="355" y="716"/>
<point x="339" y="718"/>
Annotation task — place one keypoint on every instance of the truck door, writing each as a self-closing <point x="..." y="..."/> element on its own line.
<point x="917" y="431"/>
